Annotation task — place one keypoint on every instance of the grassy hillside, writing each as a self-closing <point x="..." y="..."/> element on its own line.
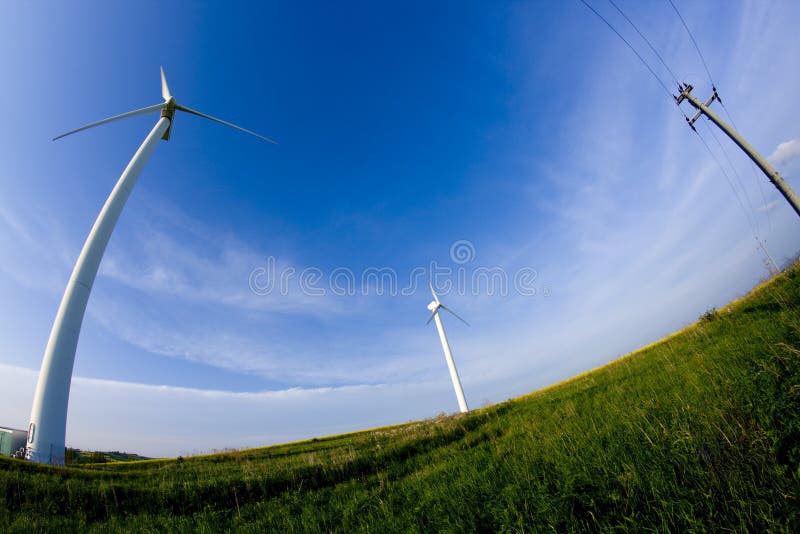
<point x="74" y="457"/>
<point x="700" y="431"/>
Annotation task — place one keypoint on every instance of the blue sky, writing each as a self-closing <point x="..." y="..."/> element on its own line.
<point x="527" y="132"/>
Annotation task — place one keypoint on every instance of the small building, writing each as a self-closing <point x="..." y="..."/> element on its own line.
<point x="12" y="441"/>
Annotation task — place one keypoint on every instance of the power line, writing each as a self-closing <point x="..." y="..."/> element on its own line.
<point x="661" y="59"/>
<point x="736" y="174"/>
<point x="730" y="183"/>
<point x="752" y="167"/>
<point x="631" y="47"/>
<point x="752" y="218"/>
<point x="719" y="164"/>
<point x="724" y="107"/>
<point x="703" y="59"/>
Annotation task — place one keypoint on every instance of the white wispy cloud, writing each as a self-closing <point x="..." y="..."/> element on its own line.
<point x="171" y="258"/>
<point x="166" y="252"/>
<point x="36" y="253"/>
<point x="268" y="351"/>
<point x="769" y="206"/>
<point x="785" y="153"/>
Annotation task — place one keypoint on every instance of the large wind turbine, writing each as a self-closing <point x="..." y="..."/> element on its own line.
<point x="48" y="426"/>
<point x="434" y="307"/>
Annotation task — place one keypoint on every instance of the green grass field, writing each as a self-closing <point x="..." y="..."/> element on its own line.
<point x="700" y="431"/>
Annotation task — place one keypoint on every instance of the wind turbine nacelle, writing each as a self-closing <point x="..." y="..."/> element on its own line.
<point x="168" y="112"/>
<point x="433" y="305"/>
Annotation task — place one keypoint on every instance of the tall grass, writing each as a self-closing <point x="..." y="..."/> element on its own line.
<point x="698" y="432"/>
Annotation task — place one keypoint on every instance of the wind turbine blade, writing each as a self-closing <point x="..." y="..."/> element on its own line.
<point x="226" y="123"/>
<point x="142" y="111"/>
<point x="457" y="315"/>
<point x="164" y="87"/>
<point x="432" y="316"/>
<point x="435" y="296"/>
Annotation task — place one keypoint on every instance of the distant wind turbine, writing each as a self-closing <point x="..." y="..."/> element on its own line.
<point x="434" y="307"/>
<point x="47" y="429"/>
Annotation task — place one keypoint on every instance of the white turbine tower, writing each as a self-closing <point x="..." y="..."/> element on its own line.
<point x="47" y="429"/>
<point x="434" y="307"/>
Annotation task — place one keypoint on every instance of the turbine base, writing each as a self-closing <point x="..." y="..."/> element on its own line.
<point x="51" y="455"/>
